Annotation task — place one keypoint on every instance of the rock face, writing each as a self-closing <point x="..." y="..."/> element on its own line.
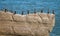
<point x="26" y="25"/>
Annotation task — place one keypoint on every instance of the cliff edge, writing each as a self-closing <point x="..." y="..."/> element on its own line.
<point x="26" y="25"/>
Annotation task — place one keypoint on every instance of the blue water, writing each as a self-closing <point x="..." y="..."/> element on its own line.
<point x="18" y="5"/>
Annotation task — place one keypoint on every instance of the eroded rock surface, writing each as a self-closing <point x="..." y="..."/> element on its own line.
<point x="26" y="25"/>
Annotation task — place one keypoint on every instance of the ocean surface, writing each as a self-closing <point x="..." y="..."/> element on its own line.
<point x="24" y="5"/>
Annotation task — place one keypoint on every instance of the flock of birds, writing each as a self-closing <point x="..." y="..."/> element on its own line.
<point x="5" y="10"/>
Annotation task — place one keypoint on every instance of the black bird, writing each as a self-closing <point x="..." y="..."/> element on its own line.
<point x="41" y="11"/>
<point x="14" y="12"/>
<point x="5" y="10"/>
<point x="22" y="12"/>
<point x="48" y="11"/>
<point x="53" y="11"/>
<point x="27" y="11"/>
<point x="34" y="11"/>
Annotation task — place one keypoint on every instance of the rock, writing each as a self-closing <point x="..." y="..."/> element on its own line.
<point x="26" y="25"/>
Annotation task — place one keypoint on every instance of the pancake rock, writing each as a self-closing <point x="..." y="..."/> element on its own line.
<point x="26" y="25"/>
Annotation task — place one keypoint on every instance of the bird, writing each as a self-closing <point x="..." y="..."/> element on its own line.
<point x="53" y="11"/>
<point x="22" y="12"/>
<point x="34" y="11"/>
<point x="48" y="11"/>
<point x="14" y="12"/>
<point x="5" y="10"/>
<point x="27" y="11"/>
<point x="41" y="11"/>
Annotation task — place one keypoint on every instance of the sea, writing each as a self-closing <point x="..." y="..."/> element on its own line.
<point x="24" y="5"/>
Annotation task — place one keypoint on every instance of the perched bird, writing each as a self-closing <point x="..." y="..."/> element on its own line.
<point x="53" y="11"/>
<point x="22" y="13"/>
<point x="48" y="11"/>
<point x="14" y="12"/>
<point x="41" y="11"/>
<point x="34" y="11"/>
<point x="27" y="11"/>
<point x="5" y="10"/>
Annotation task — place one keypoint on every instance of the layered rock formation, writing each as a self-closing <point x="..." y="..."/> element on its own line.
<point x="26" y="25"/>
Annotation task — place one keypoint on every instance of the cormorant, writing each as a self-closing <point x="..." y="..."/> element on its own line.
<point x="15" y="12"/>
<point x="53" y="11"/>
<point x="48" y="11"/>
<point x="27" y="11"/>
<point x="5" y="10"/>
<point x="22" y="12"/>
<point x="41" y="11"/>
<point x="34" y="11"/>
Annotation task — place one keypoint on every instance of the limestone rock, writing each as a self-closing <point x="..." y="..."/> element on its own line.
<point x="26" y="25"/>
